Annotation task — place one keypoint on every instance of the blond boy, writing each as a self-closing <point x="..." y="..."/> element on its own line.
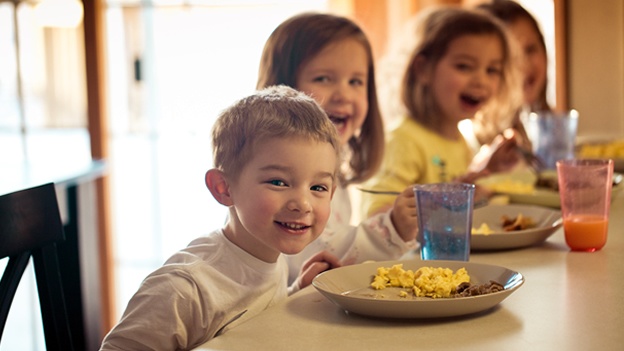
<point x="275" y="165"/>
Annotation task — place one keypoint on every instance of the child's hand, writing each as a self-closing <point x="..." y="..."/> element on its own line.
<point x="316" y="264"/>
<point x="404" y="215"/>
<point x="505" y="155"/>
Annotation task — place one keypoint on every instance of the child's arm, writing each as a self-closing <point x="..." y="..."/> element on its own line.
<point x="167" y="313"/>
<point x="499" y="156"/>
<point x="505" y="155"/>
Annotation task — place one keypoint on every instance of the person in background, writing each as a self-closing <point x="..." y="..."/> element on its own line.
<point x="275" y="168"/>
<point x="456" y="64"/>
<point x="330" y="58"/>
<point x="525" y="29"/>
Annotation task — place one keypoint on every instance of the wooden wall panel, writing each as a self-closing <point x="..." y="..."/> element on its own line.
<point x="98" y="132"/>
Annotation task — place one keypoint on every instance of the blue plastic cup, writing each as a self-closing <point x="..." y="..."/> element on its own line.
<point x="552" y="134"/>
<point x="445" y="220"/>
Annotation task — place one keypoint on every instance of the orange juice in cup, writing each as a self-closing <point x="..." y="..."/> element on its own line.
<point x="585" y="193"/>
<point x="585" y="232"/>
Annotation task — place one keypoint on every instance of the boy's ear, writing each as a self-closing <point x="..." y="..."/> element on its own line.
<point x="219" y="187"/>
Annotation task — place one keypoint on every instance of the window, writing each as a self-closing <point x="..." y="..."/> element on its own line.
<point x="42" y="89"/>
<point x="42" y="122"/>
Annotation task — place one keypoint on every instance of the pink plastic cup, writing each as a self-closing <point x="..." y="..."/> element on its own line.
<point x="585" y="193"/>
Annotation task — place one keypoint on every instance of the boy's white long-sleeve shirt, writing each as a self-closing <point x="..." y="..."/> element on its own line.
<point x="373" y="239"/>
<point x="199" y="289"/>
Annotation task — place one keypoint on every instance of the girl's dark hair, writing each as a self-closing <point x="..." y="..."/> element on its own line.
<point x="296" y="41"/>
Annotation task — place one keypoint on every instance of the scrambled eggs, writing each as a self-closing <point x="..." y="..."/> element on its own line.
<point x="425" y="282"/>
<point x="483" y="229"/>
<point x="509" y="186"/>
<point x="612" y="149"/>
<point x="509" y="224"/>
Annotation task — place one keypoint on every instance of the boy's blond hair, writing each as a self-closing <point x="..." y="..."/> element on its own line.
<point x="274" y="112"/>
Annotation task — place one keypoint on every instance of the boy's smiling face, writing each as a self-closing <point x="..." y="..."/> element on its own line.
<point x="281" y="199"/>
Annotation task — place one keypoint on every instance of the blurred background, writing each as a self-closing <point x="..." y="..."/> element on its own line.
<point x="138" y="83"/>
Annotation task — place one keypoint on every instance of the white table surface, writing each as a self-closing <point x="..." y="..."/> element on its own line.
<point x="569" y="301"/>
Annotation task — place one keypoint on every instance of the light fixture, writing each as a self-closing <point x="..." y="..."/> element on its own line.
<point x="59" y="13"/>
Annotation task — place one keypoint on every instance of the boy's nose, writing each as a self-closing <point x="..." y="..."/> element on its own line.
<point x="300" y="203"/>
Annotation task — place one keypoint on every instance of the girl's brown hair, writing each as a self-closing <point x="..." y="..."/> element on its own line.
<point x="509" y="12"/>
<point x="296" y="41"/>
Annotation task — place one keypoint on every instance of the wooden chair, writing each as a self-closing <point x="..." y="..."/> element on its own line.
<point x="30" y="226"/>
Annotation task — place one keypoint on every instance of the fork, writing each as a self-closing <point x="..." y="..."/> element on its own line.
<point x="478" y="203"/>
<point x="379" y="192"/>
<point x="534" y="161"/>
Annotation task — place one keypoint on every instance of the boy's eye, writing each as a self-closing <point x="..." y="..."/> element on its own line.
<point x="319" y="188"/>
<point x="277" y="182"/>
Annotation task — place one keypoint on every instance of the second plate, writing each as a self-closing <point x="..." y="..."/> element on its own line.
<point x="547" y="221"/>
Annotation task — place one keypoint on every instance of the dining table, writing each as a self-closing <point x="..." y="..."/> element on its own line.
<point x="569" y="301"/>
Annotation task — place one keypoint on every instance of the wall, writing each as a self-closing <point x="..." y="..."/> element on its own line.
<point x="596" y="66"/>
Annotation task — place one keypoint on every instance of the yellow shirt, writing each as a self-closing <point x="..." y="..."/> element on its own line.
<point x="414" y="155"/>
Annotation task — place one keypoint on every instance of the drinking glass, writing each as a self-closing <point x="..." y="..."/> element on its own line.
<point x="552" y="134"/>
<point x="445" y="220"/>
<point x="585" y="193"/>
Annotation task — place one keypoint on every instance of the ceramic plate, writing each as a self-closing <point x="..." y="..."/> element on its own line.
<point x="588" y="147"/>
<point x="547" y="221"/>
<point x="349" y="288"/>
<point x="519" y="187"/>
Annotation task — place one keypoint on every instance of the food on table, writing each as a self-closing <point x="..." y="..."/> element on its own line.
<point x="430" y="282"/>
<point x="510" y="186"/>
<point x="483" y="229"/>
<point x="551" y="183"/>
<point x="519" y="222"/>
<point x="509" y="224"/>
<point x="610" y="149"/>
<point x="467" y="289"/>
<point x="499" y="199"/>
<point x="425" y="282"/>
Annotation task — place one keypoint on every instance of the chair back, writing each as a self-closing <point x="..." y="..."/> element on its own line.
<point x="30" y="226"/>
